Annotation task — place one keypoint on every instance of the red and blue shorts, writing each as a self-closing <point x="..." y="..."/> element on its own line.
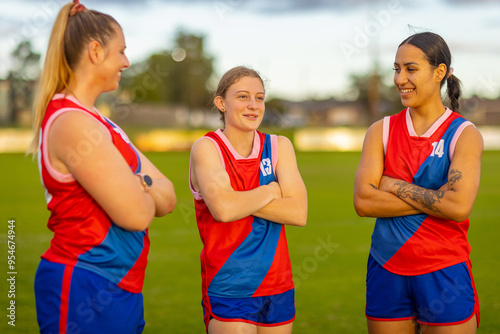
<point x="269" y="311"/>
<point x="440" y="298"/>
<point x="74" y="300"/>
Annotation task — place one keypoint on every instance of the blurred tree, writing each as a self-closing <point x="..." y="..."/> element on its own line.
<point x="193" y="69"/>
<point x="276" y="104"/>
<point x="377" y="97"/>
<point x="22" y="77"/>
<point x="179" y="76"/>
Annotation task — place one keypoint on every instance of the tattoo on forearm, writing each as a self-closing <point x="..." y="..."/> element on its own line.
<point x="374" y="186"/>
<point x="427" y="198"/>
<point x="454" y="176"/>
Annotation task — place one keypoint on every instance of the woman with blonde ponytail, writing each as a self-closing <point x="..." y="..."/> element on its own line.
<point x="419" y="174"/>
<point x="102" y="193"/>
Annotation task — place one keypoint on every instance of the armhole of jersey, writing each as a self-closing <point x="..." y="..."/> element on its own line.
<point x="58" y="176"/>
<point x="385" y="132"/>
<point x="196" y="194"/>
<point x="456" y="136"/>
<point x="274" y="152"/>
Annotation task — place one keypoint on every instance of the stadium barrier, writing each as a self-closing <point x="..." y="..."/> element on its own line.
<point x="306" y="139"/>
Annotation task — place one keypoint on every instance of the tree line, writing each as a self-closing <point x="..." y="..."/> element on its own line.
<point x="179" y="76"/>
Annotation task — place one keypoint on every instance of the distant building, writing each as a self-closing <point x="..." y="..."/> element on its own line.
<point x="22" y="103"/>
<point x="332" y="113"/>
<point x="4" y="102"/>
<point x="481" y="111"/>
<point x="326" y="113"/>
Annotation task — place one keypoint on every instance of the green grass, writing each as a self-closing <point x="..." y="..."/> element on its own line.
<point x="328" y="255"/>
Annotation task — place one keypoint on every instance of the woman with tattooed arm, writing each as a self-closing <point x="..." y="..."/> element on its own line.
<point x="419" y="174"/>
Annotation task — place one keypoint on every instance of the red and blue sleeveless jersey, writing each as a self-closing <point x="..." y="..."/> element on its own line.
<point x="84" y="235"/>
<point x="247" y="257"/>
<point x="421" y="243"/>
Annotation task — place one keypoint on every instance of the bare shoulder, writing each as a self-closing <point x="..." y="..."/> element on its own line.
<point x="285" y="144"/>
<point x="472" y="132"/>
<point x="203" y="146"/>
<point x="205" y="154"/>
<point x="376" y="128"/>
<point x="470" y="138"/>
<point x="206" y="164"/>
<point x="74" y="123"/>
<point x="282" y="140"/>
<point x="77" y="129"/>
<point x="373" y="136"/>
<point x="74" y="135"/>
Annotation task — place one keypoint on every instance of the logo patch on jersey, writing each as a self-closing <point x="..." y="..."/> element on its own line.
<point x="266" y="167"/>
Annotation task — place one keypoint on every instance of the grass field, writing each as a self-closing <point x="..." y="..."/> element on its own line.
<point x="328" y="255"/>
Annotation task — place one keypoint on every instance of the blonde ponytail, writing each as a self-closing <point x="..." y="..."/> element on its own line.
<point x="55" y="77"/>
<point x="74" y="27"/>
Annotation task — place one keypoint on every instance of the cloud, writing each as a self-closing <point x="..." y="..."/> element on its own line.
<point x="306" y="5"/>
<point x="262" y="6"/>
<point x="266" y="6"/>
<point x="276" y="7"/>
<point x="468" y="2"/>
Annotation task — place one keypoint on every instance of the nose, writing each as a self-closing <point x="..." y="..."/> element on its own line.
<point x="126" y="63"/>
<point x="252" y="104"/>
<point x="400" y="78"/>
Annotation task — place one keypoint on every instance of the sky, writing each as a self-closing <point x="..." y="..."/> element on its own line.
<point x="303" y="48"/>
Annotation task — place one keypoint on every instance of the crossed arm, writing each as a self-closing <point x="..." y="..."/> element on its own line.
<point x="105" y="174"/>
<point x="376" y="195"/>
<point x="282" y="202"/>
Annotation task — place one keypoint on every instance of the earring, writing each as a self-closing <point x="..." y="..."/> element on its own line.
<point x="223" y="110"/>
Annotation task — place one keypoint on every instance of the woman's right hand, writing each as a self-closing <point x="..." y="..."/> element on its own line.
<point x="275" y="189"/>
<point x="371" y="196"/>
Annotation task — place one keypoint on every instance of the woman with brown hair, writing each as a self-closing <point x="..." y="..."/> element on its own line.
<point x="246" y="187"/>
<point x="419" y="174"/>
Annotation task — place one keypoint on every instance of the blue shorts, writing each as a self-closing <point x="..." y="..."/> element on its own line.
<point x="73" y="300"/>
<point x="274" y="310"/>
<point x="440" y="298"/>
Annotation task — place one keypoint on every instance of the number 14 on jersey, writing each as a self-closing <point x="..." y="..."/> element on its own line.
<point x="438" y="148"/>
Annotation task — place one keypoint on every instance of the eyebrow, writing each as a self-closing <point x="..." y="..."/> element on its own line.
<point x="407" y="64"/>
<point x="246" y="91"/>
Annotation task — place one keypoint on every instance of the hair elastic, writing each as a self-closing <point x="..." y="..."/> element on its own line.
<point x="77" y="8"/>
<point x="450" y="73"/>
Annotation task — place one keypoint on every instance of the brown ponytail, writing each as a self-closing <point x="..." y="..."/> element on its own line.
<point x="453" y="88"/>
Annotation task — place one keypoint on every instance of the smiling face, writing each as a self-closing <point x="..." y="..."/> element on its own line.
<point x="115" y="61"/>
<point x="417" y="82"/>
<point x="243" y="104"/>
